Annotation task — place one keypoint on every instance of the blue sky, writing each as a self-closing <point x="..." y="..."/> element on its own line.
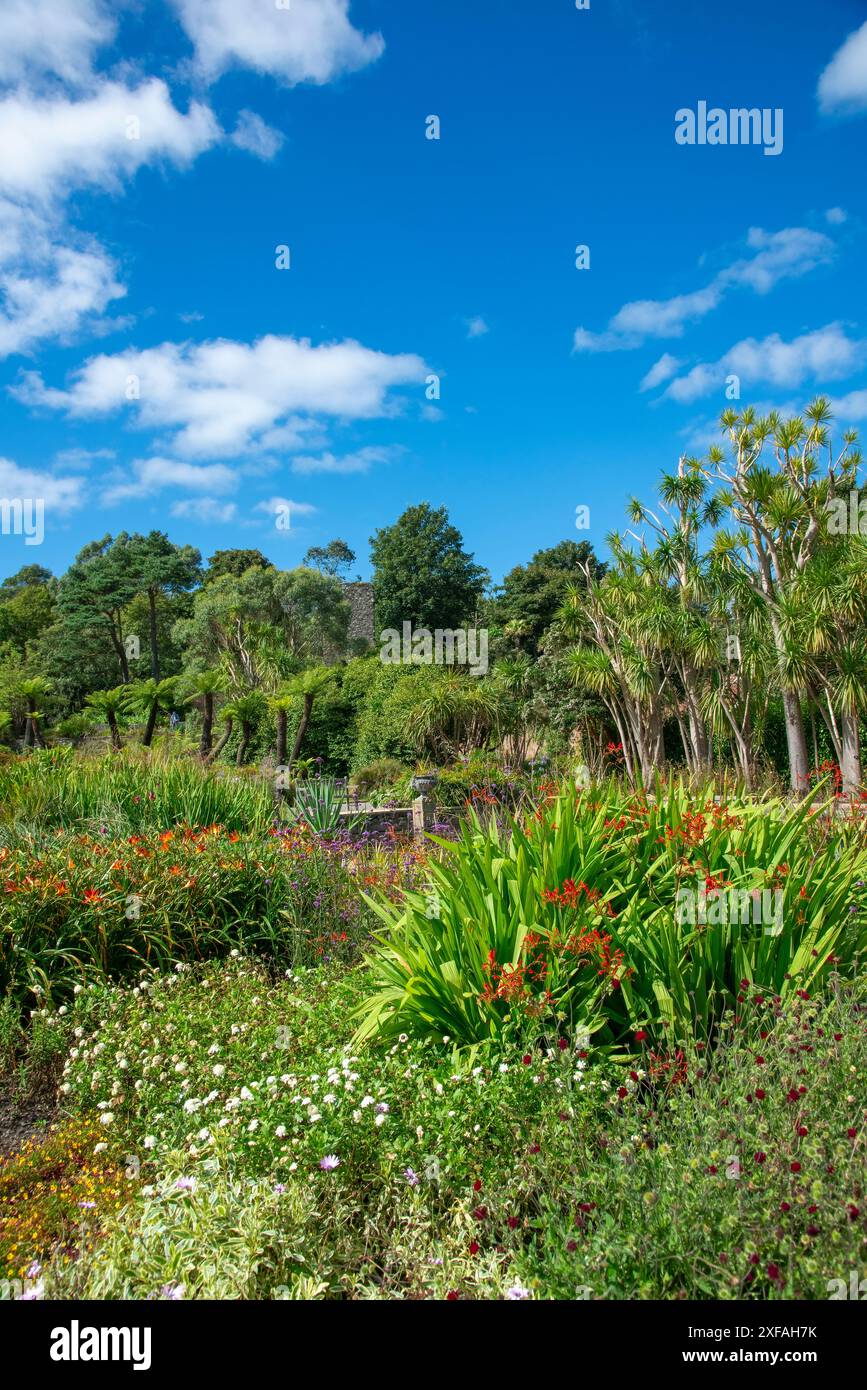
<point x="158" y="370"/>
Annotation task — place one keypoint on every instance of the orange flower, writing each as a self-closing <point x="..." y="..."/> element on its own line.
<point x="92" y="895"/>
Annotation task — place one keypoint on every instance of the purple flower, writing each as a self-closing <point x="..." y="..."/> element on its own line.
<point x="329" y="1163"/>
<point x="412" y="1178"/>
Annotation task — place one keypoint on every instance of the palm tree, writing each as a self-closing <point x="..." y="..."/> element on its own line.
<point x="305" y="686"/>
<point x="110" y="703"/>
<point x="32" y="690"/>
<point x="281" y="704"/>
<point x="228" y="715"/>
<point x="205" y="686"/>
<point x="155" y="697"/>
<point x="246" y="709"/>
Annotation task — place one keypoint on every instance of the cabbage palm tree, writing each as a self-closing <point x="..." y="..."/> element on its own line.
<point x="305" y="686"/>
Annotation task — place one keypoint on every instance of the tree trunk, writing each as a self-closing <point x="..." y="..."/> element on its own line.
<point x="850" y="762"/>
<point x="246" y="728"/>
<point x="113" y="730"/>
<point x="207" y="726"/>
<point x="796" y="742"/>
<point x="302" y="727"/>
<point x="120" y="652"/>
<point x="151" y="724"/>
<point x="215" y="752"/>
<point x="282" y="736"/>
<point x="152" y="615"/>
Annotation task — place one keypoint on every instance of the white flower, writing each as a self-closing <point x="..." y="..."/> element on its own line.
<point x="380" y="1119"/>
<point x="150" y="1142"/>
<point x="106" y="1118"/>
<point x="99" y="1148"/>
<point x="280" y="1131"/>
<point x="246" y="1094"/>
<point x="368" y="1100"/>
<point x="219" y="1069"/>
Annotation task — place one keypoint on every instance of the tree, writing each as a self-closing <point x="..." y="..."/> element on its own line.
<point x="27" y="607"/>
<point x="94" y="592"/>
<point x="304" y="687"/>
<point x="526" y="602"/>
<point x="153" y="698"/>
<point x="161" y="568"/>
<point x="110" y="703"/>
<point x="246" y="709"/>
<point x="234" y="562"/>
<point x="32" y="691"/>
<point x="422" y="574"/>
<point x="204" y="687"/>
<point x="260" y="628"/>
<point x="334" y="559"/>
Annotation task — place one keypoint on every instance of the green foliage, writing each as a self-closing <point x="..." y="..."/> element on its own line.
<point x="577" y="914"/>
<point x="421" y="572"/>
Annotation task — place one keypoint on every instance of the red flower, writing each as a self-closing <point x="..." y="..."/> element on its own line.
<point x="526" y="1059"/>
<point x="760" y="1156"/>
<point x="785" y="1206"/>
<point x="512" y="1222"/>
<point x="480" y="1213"/>
<point x="803" y="1131"/>
<point x="773" y="1272"/>
<point x="474" y="1247"/>
<point x="640" y="1036"/>
<point x="852" y="1133"/>
<point x="452" y="1295"/>
<point x="621" y="1092"/>
<point x="795" y="1167"/>
<point x="477" y="1185"/>
<point x="760" y="1094"/>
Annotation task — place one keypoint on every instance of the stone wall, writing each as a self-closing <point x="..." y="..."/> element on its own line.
<point x="360" y="598"/>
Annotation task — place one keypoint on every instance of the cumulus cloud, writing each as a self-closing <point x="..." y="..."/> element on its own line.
<point x="359" y="462"/>
<point x="476" y="327"/>
<point x="59" y="493"/>
<point x="662" y="370"/>
<point x="50" y="287"/>
<point x="775" y="256"/>
<point x="843" y="84"/>
<point x="850" y="407"/>
<point x="151" y="475"/>
<point x="827" y="353"/>
<point x="59" y="37"/>
<point x="204" y="509"/>
<point x="52" y="145"/>
<point x="253" y="135"/>
<point x="226" y="398"/>
<point x="835" y="216"/>
<point x="304" y="41"/>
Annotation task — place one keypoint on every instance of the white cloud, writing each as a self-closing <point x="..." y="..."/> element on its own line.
<point x="58" y="493"/>
<point x="664" y="368"/>
<point x="359" y="462"/>
<point x="81" y="458"/>
<point x="52" y="36"/>
<point x="152" y="475"/>
<point x="204" y="509"/>
<point x="49" y="287"/>
<point x="843" y="84"/>
<point x="836" y="216"/>
<point x="225" y="398"/>
<point x="826" y="354"/>
<point x="476" y="327"/>
<point x="305" y="41"/>
<point x="253" y="135"/>
<point x="776" y="256"/>
<point x="52" y="145"/>
<point x="850" y="407"/>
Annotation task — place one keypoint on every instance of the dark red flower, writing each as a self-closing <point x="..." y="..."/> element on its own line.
<point x="795" y="1167"/>
<point x="760" y="1156"/>
<point x="452" y="1295"/>
<point x="773" y="1272"/>
<point x="760" y="1094"/>
<point x="474" y="1247"/>
<point x="640" y="1036"/>
<point x="526" y="1059"/>
<point x="477" y="1185"/>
